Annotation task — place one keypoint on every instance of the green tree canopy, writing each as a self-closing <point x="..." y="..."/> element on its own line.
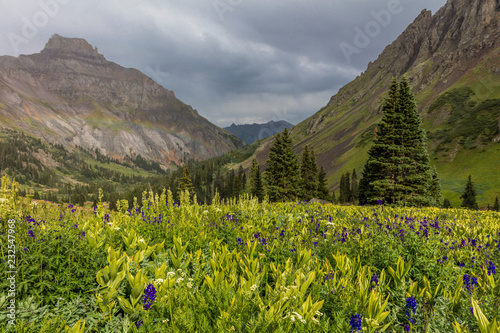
<point x="282" y="172"/>
<point x="469" y="196"/>
<point x="398" y="168"/>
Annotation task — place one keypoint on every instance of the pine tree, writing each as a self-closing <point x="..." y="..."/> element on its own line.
<point x="256" y="188"/>
<point x="469" y="196"/>
<point x="446" y="203"/>
<point x="334" y="198"/>
<point x="322" y="186"/>
<point x="354" y="187"/>
<point x="435" y="189"/>
<point x="282" y="172"/>
<point x="345" y="188"/>
<point x="309" y="175"/>
<point x="398" y="168"/>
<point x="496" y="206"/>
<point x="185" y="182"/>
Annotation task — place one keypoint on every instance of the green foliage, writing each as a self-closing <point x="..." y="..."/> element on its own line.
<point x="256" y="186"/>
<point x="308" y="175"/>
<point x="282" y="172"/>
<point x="469" y="121"/>
<point x="397" y="171"/>
<point x="248" y="267"/>
<point x="322" y="186"/>
<point x="469" y="196"/>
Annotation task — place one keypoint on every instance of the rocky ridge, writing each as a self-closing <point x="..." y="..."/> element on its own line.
<point x="70" y="94"/>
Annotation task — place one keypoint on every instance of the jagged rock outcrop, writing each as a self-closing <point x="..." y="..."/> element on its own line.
<point x="70" y="94"/>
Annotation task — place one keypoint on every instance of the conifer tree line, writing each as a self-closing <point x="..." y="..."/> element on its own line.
<point x="286" y="178"/>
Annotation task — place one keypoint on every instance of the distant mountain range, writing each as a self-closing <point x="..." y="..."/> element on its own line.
<point x="452" y="59"/>
<point x="69" y="94"/>
<point x="250" y="133"/>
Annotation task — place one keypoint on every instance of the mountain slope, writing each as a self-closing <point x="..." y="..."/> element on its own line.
<point x="253" y="132"/>
<point x="456" y="48"/>
<point x="70" y="94"/>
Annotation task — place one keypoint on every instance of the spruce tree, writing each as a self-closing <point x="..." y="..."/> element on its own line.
<point x="282" y="172"/>
<point x="435" y="189"/>
<point x="256" y="187"/>
<point x="185" y="182"/>
<point x="345" y="188"/>
<point x="322" y="186"/>
<point x="469" y="196"/>
<point x="309" y="175"/>
<point x="496" y="206"/>
<point x="398" y="168"/>
<point x="446" y="203"/>
<point x="354" y="187"/>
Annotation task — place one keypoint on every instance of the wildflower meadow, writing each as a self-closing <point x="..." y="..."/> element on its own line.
<point x="245" y="266"/>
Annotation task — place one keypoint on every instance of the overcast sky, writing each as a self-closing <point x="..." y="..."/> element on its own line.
<point x="240" y="61"/>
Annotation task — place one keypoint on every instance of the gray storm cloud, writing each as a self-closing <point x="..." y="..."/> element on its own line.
<point x="235" y="61"/>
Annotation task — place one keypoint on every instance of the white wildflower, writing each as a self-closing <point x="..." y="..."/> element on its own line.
<point x="190" y="280"/>
<point x="253" y="288"/>
<point x="170" y="274"/>
<point x="159" y="281"/>
<point x="183" y="274"/>
<point x="292" y="318"/>
<point x="189" y="285"/>
<point x="319" y="314"/>
<point x="316" y="321"/>
<point x="179" y="280"/>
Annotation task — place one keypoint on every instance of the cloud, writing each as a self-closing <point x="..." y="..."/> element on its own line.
<point x="233" y="60"/>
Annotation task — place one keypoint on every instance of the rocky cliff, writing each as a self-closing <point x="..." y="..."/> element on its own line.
<point x="71" y="95"/>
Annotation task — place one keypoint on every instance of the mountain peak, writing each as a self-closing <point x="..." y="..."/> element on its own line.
<point x="58" y="43"/>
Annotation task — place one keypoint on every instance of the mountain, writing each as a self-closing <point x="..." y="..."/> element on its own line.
<point x="452" y="59"/>
<point x="69" y="94"/>
<point x="251" y="133"/>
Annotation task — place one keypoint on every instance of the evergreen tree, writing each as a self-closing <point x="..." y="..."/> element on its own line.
<point x="345" y="188"/>
<point x="256" y="187"/>
<point x="446" y="203"/>
<point x="354" y="187"/>
<point x="243" y="178"/>
<point x="435" y="189"/>
<point x="398" y="168"/>
<point x="469" y="196"/>
<point x="185" y="182"/>
<point x="282" y="172"/>
<point x="334" y="198"/>
<point x="496" y="206"/>
<point x="237" y="187"/>
<point x="322" y="187"/>
<point x="309" y="175"/>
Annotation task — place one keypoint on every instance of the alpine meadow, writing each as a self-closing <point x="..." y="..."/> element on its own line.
<point x="275" y="208"/>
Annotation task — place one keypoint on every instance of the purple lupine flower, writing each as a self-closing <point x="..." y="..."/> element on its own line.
<point x="31" y="234"/>
<point x="355" y="323"/>
<point x="492" y="269"/>
<point x="149" y="296"/>
<point x="469" y="282"/>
